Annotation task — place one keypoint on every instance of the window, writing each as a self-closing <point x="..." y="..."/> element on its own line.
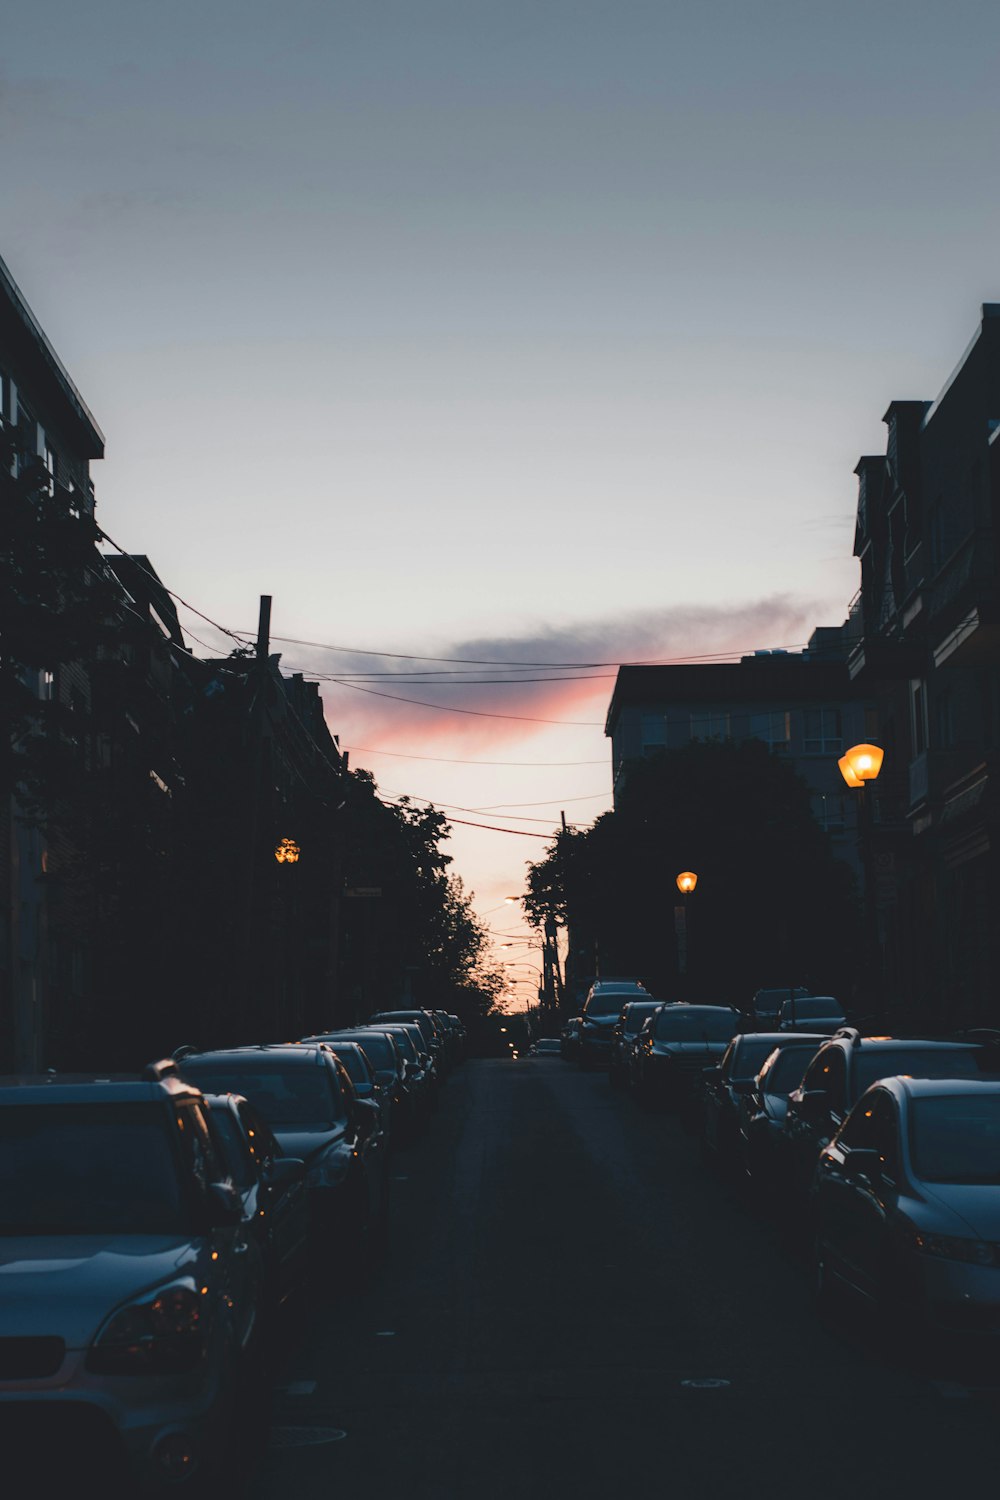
<point x="654" y="733"/>
<point x="772" y="728"/>
<point x="828" y="1074"/>
<point x="828" y="810"/>
<point x="918" y="716"/>
<point x="710" y="725"/>
<point x="196" y="1145"/>
<point x="821" y="732"/>
<point x="233" y="1148"/>
<point x="945" y="720"/>
<point x="872" y="1126"/>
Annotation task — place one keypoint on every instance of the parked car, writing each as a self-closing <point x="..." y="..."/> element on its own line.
<point x="132" y="1285"/>
<point x="674" y="1045"/>
<point x="623" y="1034"/>
<point x="569" y="1039"/>
<point x="766" y="1005"/>
<point x="601" y="1009"/>
<point x="305" y="1095"/>
<point x="764" y="1106"/>
<point x="433" y="1043"/>
<point x="363" y="1077"/>
<point x="420" y="1079"/>
<point x="843" y="1068"/>
<point x="812" y="1013"/>
<point x="726" y="1085"/>
<point x="907" y="1203"/>
<point x="272" y="1189"/>
<point x="546" y="1046"/>
<point x="389" y="1067"/>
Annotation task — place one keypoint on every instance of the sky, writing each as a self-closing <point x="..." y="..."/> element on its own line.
<point x="521" y="331"/>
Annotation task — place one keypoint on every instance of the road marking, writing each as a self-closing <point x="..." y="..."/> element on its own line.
<point x="304" y="1437"/>
<point x="298" y="1388"/>
<point x="709" y="1383"/>
<point x="387" y="1333"/>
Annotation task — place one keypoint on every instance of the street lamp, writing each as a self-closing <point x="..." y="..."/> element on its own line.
<point x="858" y="766"/>
<point x="686" y="882"/>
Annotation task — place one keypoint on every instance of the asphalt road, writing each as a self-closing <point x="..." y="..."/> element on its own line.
<point x="573" y="1307"/>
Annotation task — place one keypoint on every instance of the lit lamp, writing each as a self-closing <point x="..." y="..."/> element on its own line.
<point x="686" y="882"/>
<point x="861" y="763"/>
<point x="858" y="766"/>
<point x="287" y="852"/>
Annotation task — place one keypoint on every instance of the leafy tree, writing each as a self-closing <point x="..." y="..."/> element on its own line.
<point x="772" y="905"/>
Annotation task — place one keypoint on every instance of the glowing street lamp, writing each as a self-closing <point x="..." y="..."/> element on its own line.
<point x="287" y="852"/>
<point x="686" y="881"/>
<point x="858" y="766"/>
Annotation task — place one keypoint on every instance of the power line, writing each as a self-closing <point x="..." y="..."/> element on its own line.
<point x="447" y="761"/>
<point x="478" y="713"/>
<point x="475" y="661"/>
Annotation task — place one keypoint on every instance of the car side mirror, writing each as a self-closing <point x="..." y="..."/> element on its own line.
<point x="225" y="1206"/>
<point x="742" y="1085"/>
<point x="283" y="1170"/>
<point x="862" y="1161"/>
<point x="366" y="1114"/>
<point x="813" y="1104"/>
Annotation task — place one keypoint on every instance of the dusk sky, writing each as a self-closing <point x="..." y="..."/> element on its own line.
<point x="542" y="332"/>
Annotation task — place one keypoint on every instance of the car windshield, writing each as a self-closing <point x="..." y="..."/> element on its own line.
<point x="812" y="1005"/>
<point x="285" y="1094"/>
<point x="635" y="1015"/>
<point x="749" y="1056"/>
<point x="89" y="1169"/>
<point x="956" y="1138"/>
<point x="378" y="1050"/>
<point x="608" y="1002"/>
<point x="405" y="1044"/>
<point x="919" y="1062"/>
<point x="701" y="1023"/>
<point x="787" y="1070"/>
<point x="352" y="1060"/>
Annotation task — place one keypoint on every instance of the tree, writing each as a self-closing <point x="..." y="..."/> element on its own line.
<point x="772" y="904"/>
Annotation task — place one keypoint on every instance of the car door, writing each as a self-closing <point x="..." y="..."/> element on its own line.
<point x="236" y="1254"/>
<point x="285" y="1204"/>
<point x="816" y="1112"/>
<point x="869" y="1203"/>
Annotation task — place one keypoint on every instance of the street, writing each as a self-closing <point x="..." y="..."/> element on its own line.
<point x="573" y="1306"/>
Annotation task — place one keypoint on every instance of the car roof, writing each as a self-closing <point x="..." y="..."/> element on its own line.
<point x="87" y="1088"/>
<point x="306" y="1054"/>
<point x="921" y="1088"/>
<point x="676" y="1005"/>
<point x="783" y="1039"/>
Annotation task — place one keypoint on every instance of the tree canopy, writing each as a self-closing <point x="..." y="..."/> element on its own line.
<point x="772" y="905"/>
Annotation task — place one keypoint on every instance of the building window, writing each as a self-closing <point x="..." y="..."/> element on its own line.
<point x="712" y="725"/>
<point x="654" y="733"/>
<point x="945" y="717"/>
<point x="918" y="716"/>
<point x="821" y="732"/>
<point x="772" y="728"/>
<point x="828" y="811"/>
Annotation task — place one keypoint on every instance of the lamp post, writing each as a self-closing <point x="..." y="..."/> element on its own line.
<point x="858" y="766"/>
<point x="686" y="882"/>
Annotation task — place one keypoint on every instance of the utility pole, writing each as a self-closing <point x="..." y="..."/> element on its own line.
<point x="251" y="985"/>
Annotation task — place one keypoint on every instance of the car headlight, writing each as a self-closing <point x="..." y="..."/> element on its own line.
<point x="159" y="1333"/>
<point x="956" y="1247"/>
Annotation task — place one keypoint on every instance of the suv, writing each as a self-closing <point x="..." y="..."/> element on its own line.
<point x="606" y="999"/>
<point x="624" y="1032"/>
<point x="305" y="1095"/>
<point x="132" y="1282"/>
<point x="843" y="1068"/>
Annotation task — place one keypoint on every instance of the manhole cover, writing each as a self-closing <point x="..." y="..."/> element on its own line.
<point x="708" y="1384"/>
<point x="304" y="1437"/>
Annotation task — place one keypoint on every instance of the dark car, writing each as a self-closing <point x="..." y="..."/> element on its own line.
<point x="132" y="1288"/>
<point x="674" y="1046"/>
<point x="420" y="1078"/>
<point x="430" y="1029"/>
<point x="764" y="1106"/>
<point x="626" y="1029"/>
<point x="304" y="1094"/>
<point x="766" y="1005"/>
<point x="602" y="1007"/>
<point x="388" y="1065"/>
<point x="843" y="1068"/>
<point x="906" y="1204"/>
<point x="363" y="1076"/>
<point x="812" y="1013"/>
<point x="569" y="1039"/>
<point x="728" y="1083"/>
<point x="272" y="1188"/>
<point x="546" y="1046"/>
